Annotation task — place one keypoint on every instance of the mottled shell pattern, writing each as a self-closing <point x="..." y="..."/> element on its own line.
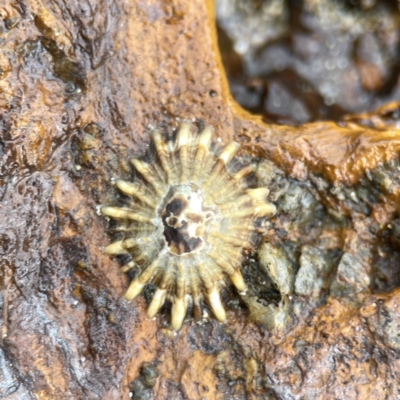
<point x="189" y="215"/>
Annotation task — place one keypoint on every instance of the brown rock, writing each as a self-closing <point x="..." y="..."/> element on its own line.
<point x="80" y="86"/>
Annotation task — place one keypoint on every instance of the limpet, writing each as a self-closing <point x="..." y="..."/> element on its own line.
<point x="188" y="216"/>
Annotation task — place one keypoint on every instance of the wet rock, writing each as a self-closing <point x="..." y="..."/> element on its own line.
<point x="336" y="57"/>
<point x="275" y="262"/>
<point x="314" y="273"/>
<point x="81" y="87"/>
<point x="383" y="319"/>
<point x="353" y="273"/>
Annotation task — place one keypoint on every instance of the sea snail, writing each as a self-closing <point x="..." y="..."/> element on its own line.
<point x="187" y="218"/>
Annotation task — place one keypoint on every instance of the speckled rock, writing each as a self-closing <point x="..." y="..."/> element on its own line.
<point x="82" y="84"/>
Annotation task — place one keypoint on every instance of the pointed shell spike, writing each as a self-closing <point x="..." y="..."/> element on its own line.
<point x="222" y="161"/>
<point x="258" y="194"/>
<point x="134" y="290"/>
<point x="144" y="169"/>
<point x="216" y="305"/>
<point x="132" y="190"/>
<point x="183" y="136"/>
<point x="265" y="210"/>
<point x="178" y="312"/>
<point x="203" y="147"/>
<point x="163" y="154"/>
<point x="182" y="144"/>
<point x="156" y="302"/>
<point x="228" y="152"/>
<point x="119" y="247"/>
<point x="123" y="213"/>
<point x="238" y="281"/>
<point x="205" y="137"/>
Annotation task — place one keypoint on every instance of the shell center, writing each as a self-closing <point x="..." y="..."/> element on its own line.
<point x="185" y="219"/>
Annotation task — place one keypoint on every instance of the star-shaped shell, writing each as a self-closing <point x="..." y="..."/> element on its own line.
<point x="189" y="215"/>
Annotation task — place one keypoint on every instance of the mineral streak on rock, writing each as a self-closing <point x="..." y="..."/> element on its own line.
<point x="186" y="219"/>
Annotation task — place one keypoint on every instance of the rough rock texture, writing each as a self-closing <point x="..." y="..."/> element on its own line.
<point x="81" y="82"/>
<point x="301" y="61"/>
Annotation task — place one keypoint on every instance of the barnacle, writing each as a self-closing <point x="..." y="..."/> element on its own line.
<point x="187" y="218"/>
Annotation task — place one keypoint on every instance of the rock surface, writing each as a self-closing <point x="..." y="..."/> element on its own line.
<point x="81" y="84"/>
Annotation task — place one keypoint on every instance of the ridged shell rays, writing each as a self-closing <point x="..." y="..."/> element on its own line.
<point x="188" y="216"/>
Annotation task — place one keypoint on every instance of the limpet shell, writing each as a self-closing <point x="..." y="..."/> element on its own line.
<point x="188" y="216"/>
